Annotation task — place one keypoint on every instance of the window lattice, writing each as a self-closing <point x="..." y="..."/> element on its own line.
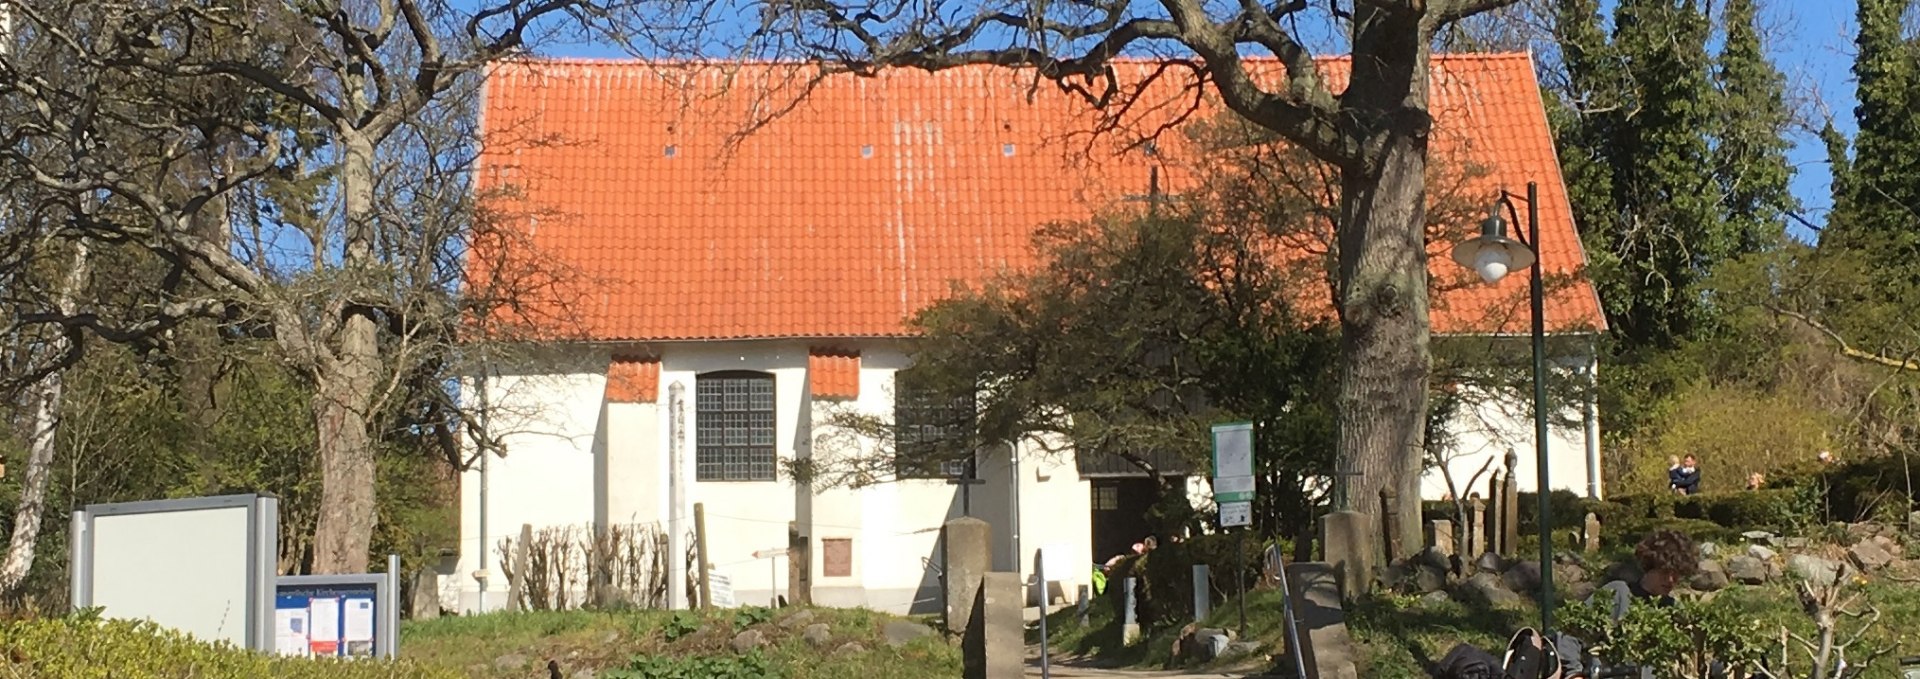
<point x="735" y="430"/>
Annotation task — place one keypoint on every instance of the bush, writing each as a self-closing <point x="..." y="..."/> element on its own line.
<point x="1772" y="509"/>
<point x="1166" y="590"/>
<point x="1569" y="511"/>
<point x="1873" y="489"/>
<point x="83" y="647"/>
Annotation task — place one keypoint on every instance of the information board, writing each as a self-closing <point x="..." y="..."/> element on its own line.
<point x="336" y="616"/>
<point x="1233" y="473"/>
<point x="203" y="566"/>
<point x="721" y="588"/>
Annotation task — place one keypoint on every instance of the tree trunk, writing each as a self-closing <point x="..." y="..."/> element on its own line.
<point x="198" y="346"/>
<point x="344" y="388"/>
<point x="31" y="512"/>
<point x="1384" y="358"/>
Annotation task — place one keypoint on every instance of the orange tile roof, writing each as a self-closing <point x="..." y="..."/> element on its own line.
<point x="633" y="379"/>
<point x="713" y="201"/>
<point x="833" y="374"/>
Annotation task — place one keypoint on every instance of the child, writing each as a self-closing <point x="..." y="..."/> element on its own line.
<point x="1686" y="479"/>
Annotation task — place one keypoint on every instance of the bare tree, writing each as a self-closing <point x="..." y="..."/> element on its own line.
<point x="1375" y="132"/>
<point x="317" y="133"/>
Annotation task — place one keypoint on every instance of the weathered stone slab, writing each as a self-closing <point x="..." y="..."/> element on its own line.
<point x="968" y="545"/>
<point x="1348" y="540"/>
<point x="1327" y="647"/>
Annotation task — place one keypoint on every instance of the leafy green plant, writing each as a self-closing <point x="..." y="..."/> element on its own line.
<point x="681" y="624"/>
<point x="1686" y="641"/>
<point x="751" y="665"/>
<point x="748" y="616"/>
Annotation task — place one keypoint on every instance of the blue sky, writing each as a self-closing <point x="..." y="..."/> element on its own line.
<point x="1813" y="46"/>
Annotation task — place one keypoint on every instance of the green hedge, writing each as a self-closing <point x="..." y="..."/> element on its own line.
<point x="81" y="647"/>
<point x="1775" y="509"/>
<point x="1625" y="517"/>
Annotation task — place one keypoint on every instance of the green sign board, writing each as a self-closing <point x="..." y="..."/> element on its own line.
<point x="1233" y="472"/>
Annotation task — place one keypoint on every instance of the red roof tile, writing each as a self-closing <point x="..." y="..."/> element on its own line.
<point x="869" y="198"/>
<point x="833" y="374"/>
<point x="632" y="379"/>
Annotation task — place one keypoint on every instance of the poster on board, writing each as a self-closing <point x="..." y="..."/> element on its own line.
<point x="344" y="616"/>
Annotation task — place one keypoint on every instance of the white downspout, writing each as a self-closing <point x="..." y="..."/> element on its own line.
<point x="1595" y="487"/>
<point x="1020" y="564"/>
<point x="676" y="540"/>
<point x="486" y="432"/>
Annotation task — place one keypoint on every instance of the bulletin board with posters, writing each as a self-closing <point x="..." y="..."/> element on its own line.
<point x="336" y="616"/>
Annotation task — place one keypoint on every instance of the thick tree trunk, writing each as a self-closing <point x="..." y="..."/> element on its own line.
<point x="344" y="389"/>
<point x="1384" y="358"/>
<point x="31" y="511"/>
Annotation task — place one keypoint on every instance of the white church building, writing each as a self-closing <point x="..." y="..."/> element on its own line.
<point x="750" y="258"/>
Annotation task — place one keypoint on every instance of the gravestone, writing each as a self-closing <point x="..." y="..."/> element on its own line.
<point x="1510" y="509"/>
<point x="1496" y="493"/>
<point x="1202" y="593"/>
<point x="1326" y="647"/>
<point x="1347" y="539"/>
<point x="1390" y="524"/>
<point x="1476" y="528"/>
<point x="1002" y="650"/>
<point x="967" y="544"/>
<point x="1592" y="529"/>
<point x="1440" y="536"/>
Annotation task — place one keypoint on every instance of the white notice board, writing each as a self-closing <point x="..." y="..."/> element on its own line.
<point x="203" y="566"/>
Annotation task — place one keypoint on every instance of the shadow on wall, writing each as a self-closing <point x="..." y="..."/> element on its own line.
<point x="931" y="596"/>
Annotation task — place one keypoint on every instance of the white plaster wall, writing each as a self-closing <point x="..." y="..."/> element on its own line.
<point x="549" y="426"/>
<point x="576" y="461"/>
<point x="741" y="517"/>
<point x="1056" y="517"/>
<point x="630" y="479"/>
<point x="1489" y="425"/>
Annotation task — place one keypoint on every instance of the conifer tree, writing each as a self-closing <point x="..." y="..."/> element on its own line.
<point x="1750" y="154"/>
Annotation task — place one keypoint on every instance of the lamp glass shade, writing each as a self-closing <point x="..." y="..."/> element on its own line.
<point x="1491" y="264"/>
<point x="1492" y="257"/>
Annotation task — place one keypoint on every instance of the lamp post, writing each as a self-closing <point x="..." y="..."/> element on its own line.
<point x="1491" y="255"/>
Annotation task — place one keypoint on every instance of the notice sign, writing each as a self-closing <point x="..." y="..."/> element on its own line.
<point x="345" y="616"/>
<point x="1233" y="473"/>
<point x="1236" y="514"/>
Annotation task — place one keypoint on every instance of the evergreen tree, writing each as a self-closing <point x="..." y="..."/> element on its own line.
<point x="1875" y="221"/>
<point x="1669" y="229"/>
<point x="1750" y="155"/>
<point x="1874" y="207"/>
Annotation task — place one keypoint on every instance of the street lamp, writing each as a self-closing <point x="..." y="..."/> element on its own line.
<point x="1491" y="255"/>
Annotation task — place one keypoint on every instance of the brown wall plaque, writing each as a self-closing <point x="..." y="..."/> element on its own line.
<point x="836" y="556"/>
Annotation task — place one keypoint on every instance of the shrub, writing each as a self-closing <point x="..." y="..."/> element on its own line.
<point x="1773" y="509"/>
<point x="83" y="647"/>
<point x="1569" y="510"/>
<point x="1679" y="641"/>
<point x="1166" y="592"/>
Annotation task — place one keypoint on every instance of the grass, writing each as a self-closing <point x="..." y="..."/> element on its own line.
<point x="519" y="645"/>
<point x="1398" y="637"/>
